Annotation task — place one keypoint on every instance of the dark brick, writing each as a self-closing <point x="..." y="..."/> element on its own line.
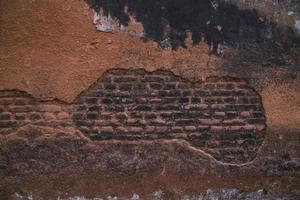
<point x="152" y="79"/>
<point x="167" y="107"/>
<point x="95" y="108"/>
<point x="184" y="100"/>
<point x="136" y="115"/>
<point x="196" y="100"/>
<point x="19" y="116"/>
<point x="125" y="79"/>
<point x="256" y="121"/>
<point x="115" y="108"/>
<point x="8" y="124"/>
<point x="155" y="86"/>
<point x="186" y="93"/>
<point x="174" y="93"/>
<point x="183" y="86"/>
<point x="81" y="107"/>
<point x="78" y="116"/>
<point x="125" y="87"/>
<point x="20" y="109"/>
<point x="6" y="101"/>
<point x="254" y="100"/>
<point x="170" y="86"/>
<point x="150" y="116"/>
<point x="107" y="101"/>
<point x="21" y="101"/>
<point x="5" y="116"/>
<point x="35" y="116"/>
<point x="167" y="115"/>
<point x="258" y="115"/>
<point x="184" y="122"/>
<point x="105" y="116"/>
<point x="92" y="115"/>
<point x="231" y="115"/>
<point x="91" y="100"/>
<point x="209" y="86"/>
<point x="221" y="93"/>
<point x="109" y="86"/>
<point x="2" y="109"/>
<point x="121" y="116"/>
<point x="169" y="100"/>
<point x="143" y="108"/>
<point x="162" y="93"/>
<point x="139" y="86"/>
<point x="104" y="79"/>
<point x="230" y="100"/>
<point x="201" y="93"/>
<point x="141" y="100"/>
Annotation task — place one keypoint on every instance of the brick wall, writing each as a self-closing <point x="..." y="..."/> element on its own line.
<point x="18" y="108"/>
<point x="220" y="115"/>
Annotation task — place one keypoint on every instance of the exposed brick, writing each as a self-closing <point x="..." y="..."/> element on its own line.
<point x="6" y="101"/>
<point x="217" y="114"/>
<point x="35" y="116"/>
<point x="5" y="116"/>
<point x="21" y="109"/>
<point x="7" y="124"/>
<point x="63" y="116"/>
<point x="49" y="108"/>
<point x="49" y="116"/>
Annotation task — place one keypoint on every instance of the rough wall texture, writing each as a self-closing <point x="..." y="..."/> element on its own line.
<point x="53" y="51"/>
<point x="221" y="115"/>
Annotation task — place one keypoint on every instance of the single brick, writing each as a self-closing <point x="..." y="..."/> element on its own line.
<point x="162" y="129"/>
<point x="170" y="86"/>
<point x="49" y="108"/>
<point x="174" y="93"/>
<point x="121" y="116"/>
<point x="63" y="116"/>
<point x="107" y="101"/>
<point x="21" y="101"/>
<point x="8" y="124"/>
<point x="20" y="116"/>
<point x="125" y="86"/>
<point x="155" y="86"/>
<point x="35" y="116"/>
<point x="6" y="101"/>
<point x="177" y="129"/>
<point x="106" y="130"/>
<point x="49" y="116"/>
<point x="142" y="108"/>
<point x="135" y="129"/>
<point x="5" y="116"/>
<point x="190" y="128"/>
<point x="150" y="115"/>
<point x="155" y="79"/>
<point x="21" y="109"/>
<point x="125" y="79"/>
<point x="121" y="130"/>
<point x="91" y="100"/>
<point x="184" y="122"/>
<point x="110" y="86"/>
<point x="149" y="129"/>
<point x="95" y="108"/>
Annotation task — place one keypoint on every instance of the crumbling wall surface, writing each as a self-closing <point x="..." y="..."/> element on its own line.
<point x="68" y="91"/>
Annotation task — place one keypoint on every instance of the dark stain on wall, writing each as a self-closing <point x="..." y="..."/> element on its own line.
<point x="217" y="22"/>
